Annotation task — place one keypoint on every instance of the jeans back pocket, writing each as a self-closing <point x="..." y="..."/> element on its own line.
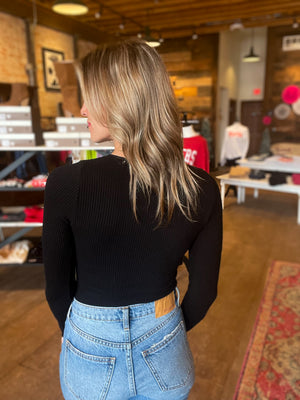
<point x="87" y="376"/>
<point x="171" y="361"/>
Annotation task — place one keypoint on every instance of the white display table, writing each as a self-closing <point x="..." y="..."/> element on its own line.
<point x="256" y="184"/>
<point x="273" y="163"/>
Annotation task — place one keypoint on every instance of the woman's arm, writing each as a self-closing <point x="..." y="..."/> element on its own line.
<point x="58" y="243"/>
<point x="204" y="260"/>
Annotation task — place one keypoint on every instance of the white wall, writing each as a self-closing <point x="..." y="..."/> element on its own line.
<point x="228" y="62"/>
<point x="238" y="77"/>
<point x="252" y="75"/>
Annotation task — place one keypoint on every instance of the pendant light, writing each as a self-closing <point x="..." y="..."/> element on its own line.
<point x="70" y="7"/>
<point x="151" y="41"/>
<point x="251" y="56"/>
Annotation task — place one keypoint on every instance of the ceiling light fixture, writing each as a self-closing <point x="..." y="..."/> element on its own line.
<point x="195" y="36"/>
<point x="251" y="56"/>
<point x="151" y="41"/>
<point x="98" y="14"/>
<point x="295" y="24"/>
<point x="236" y="26"/>
<point x="122" y="24"/>
<point x="70" y="7"/>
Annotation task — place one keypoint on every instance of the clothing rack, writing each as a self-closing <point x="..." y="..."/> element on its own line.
<point x="186" y="121"/>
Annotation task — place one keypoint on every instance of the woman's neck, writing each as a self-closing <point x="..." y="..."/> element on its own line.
<point x="118" y="151"/>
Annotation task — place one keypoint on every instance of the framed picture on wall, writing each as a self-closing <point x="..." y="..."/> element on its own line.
<point x="49" y="58"/>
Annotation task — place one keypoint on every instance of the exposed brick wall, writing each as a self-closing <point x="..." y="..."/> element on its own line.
<point x="13" y="53"/>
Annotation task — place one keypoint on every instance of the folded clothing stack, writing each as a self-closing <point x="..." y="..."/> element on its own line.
<point x="14" y="183"/>
<point x="296" y="179"/>
<point x="257" y="174"/>
<point x="239" y="172"/>
<point x="12" y="214"/>
<point x="15" y="253"/>
<point x="34" y="214"/>
<point x="18" y="214"/>
<point x="277" y="178"/>
<point x="37" y="181"/>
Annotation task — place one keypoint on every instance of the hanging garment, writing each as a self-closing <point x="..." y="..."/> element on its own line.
<point x="236" y="142"/>
<point x="196" y="152"/>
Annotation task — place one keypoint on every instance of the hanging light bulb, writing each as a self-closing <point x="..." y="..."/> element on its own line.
<point x="70" y="7"/>
<point x="122" y="25"/>
<point x="295" y="24"/>
<point x="195" y="36"/>
<point x="251" y="56"/>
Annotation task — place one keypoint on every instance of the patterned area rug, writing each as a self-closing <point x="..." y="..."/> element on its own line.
<point x="271" y="368"/>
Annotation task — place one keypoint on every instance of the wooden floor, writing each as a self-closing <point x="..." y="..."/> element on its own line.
<point x="255" y="234"/>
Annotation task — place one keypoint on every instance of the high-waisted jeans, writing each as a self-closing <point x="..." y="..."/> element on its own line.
<point x="122" y="353"/>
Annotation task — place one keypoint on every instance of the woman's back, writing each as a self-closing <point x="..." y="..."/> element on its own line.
<point x="120" y="260"/>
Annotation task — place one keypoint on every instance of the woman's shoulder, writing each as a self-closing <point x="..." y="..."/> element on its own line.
<point x="203" y="178"/>
<point x="64" y="178"/>
<point x="69" y="171"/>
<point x="69" y="174"/>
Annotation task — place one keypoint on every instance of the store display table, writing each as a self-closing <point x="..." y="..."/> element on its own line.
<point x="274" y="163"/>
<point x="256" y="184"/>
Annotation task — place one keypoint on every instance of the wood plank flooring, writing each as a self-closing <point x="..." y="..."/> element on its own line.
<point x="255" y="234"/>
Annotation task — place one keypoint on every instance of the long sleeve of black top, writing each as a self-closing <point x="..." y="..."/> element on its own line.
<point x="96" y="251"/>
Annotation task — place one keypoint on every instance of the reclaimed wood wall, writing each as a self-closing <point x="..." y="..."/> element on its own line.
<point x="282" y="69"/>
<point x="192" y="65"/>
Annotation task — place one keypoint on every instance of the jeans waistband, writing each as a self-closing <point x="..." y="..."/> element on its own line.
<point x="158" y="307"/>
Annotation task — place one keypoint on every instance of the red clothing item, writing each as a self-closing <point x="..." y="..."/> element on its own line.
<point x="34" y="214"/>
<point x="195" y="151"/>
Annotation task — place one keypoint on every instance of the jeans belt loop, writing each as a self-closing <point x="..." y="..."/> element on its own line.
<point x="69" y="311"/>
<point x="177" y="296"/>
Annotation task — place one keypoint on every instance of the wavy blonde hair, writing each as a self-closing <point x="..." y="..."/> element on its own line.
<point x="126" y="87"/>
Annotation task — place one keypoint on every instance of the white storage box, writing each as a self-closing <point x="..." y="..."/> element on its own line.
<point x="57" y="139"/>
<point x="64" y="124"/>
<point x="17" y="139"/>
<point x="85" y="141"/>
<point x="15" y="113"/>
<point x="21" y="126"/>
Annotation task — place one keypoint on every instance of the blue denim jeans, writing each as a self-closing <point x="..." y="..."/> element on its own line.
<point x="122" y="353"/>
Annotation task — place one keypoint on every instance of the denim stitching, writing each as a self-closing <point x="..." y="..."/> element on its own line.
<point x="111" y="366"/>
<point x="91" y="357"/>
<point x="158" y="346"/>
<point x="95" y="339"/>
<point x="159" y="381"/>
<point x="86" y="316"/>
<point x="154" y="330"/>
<point x="153" y="349"/>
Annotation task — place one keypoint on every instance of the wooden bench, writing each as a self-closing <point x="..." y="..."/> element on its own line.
<point x="256" y="184"/>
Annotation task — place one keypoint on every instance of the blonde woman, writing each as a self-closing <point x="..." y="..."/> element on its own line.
<point x="115" y="230"/>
